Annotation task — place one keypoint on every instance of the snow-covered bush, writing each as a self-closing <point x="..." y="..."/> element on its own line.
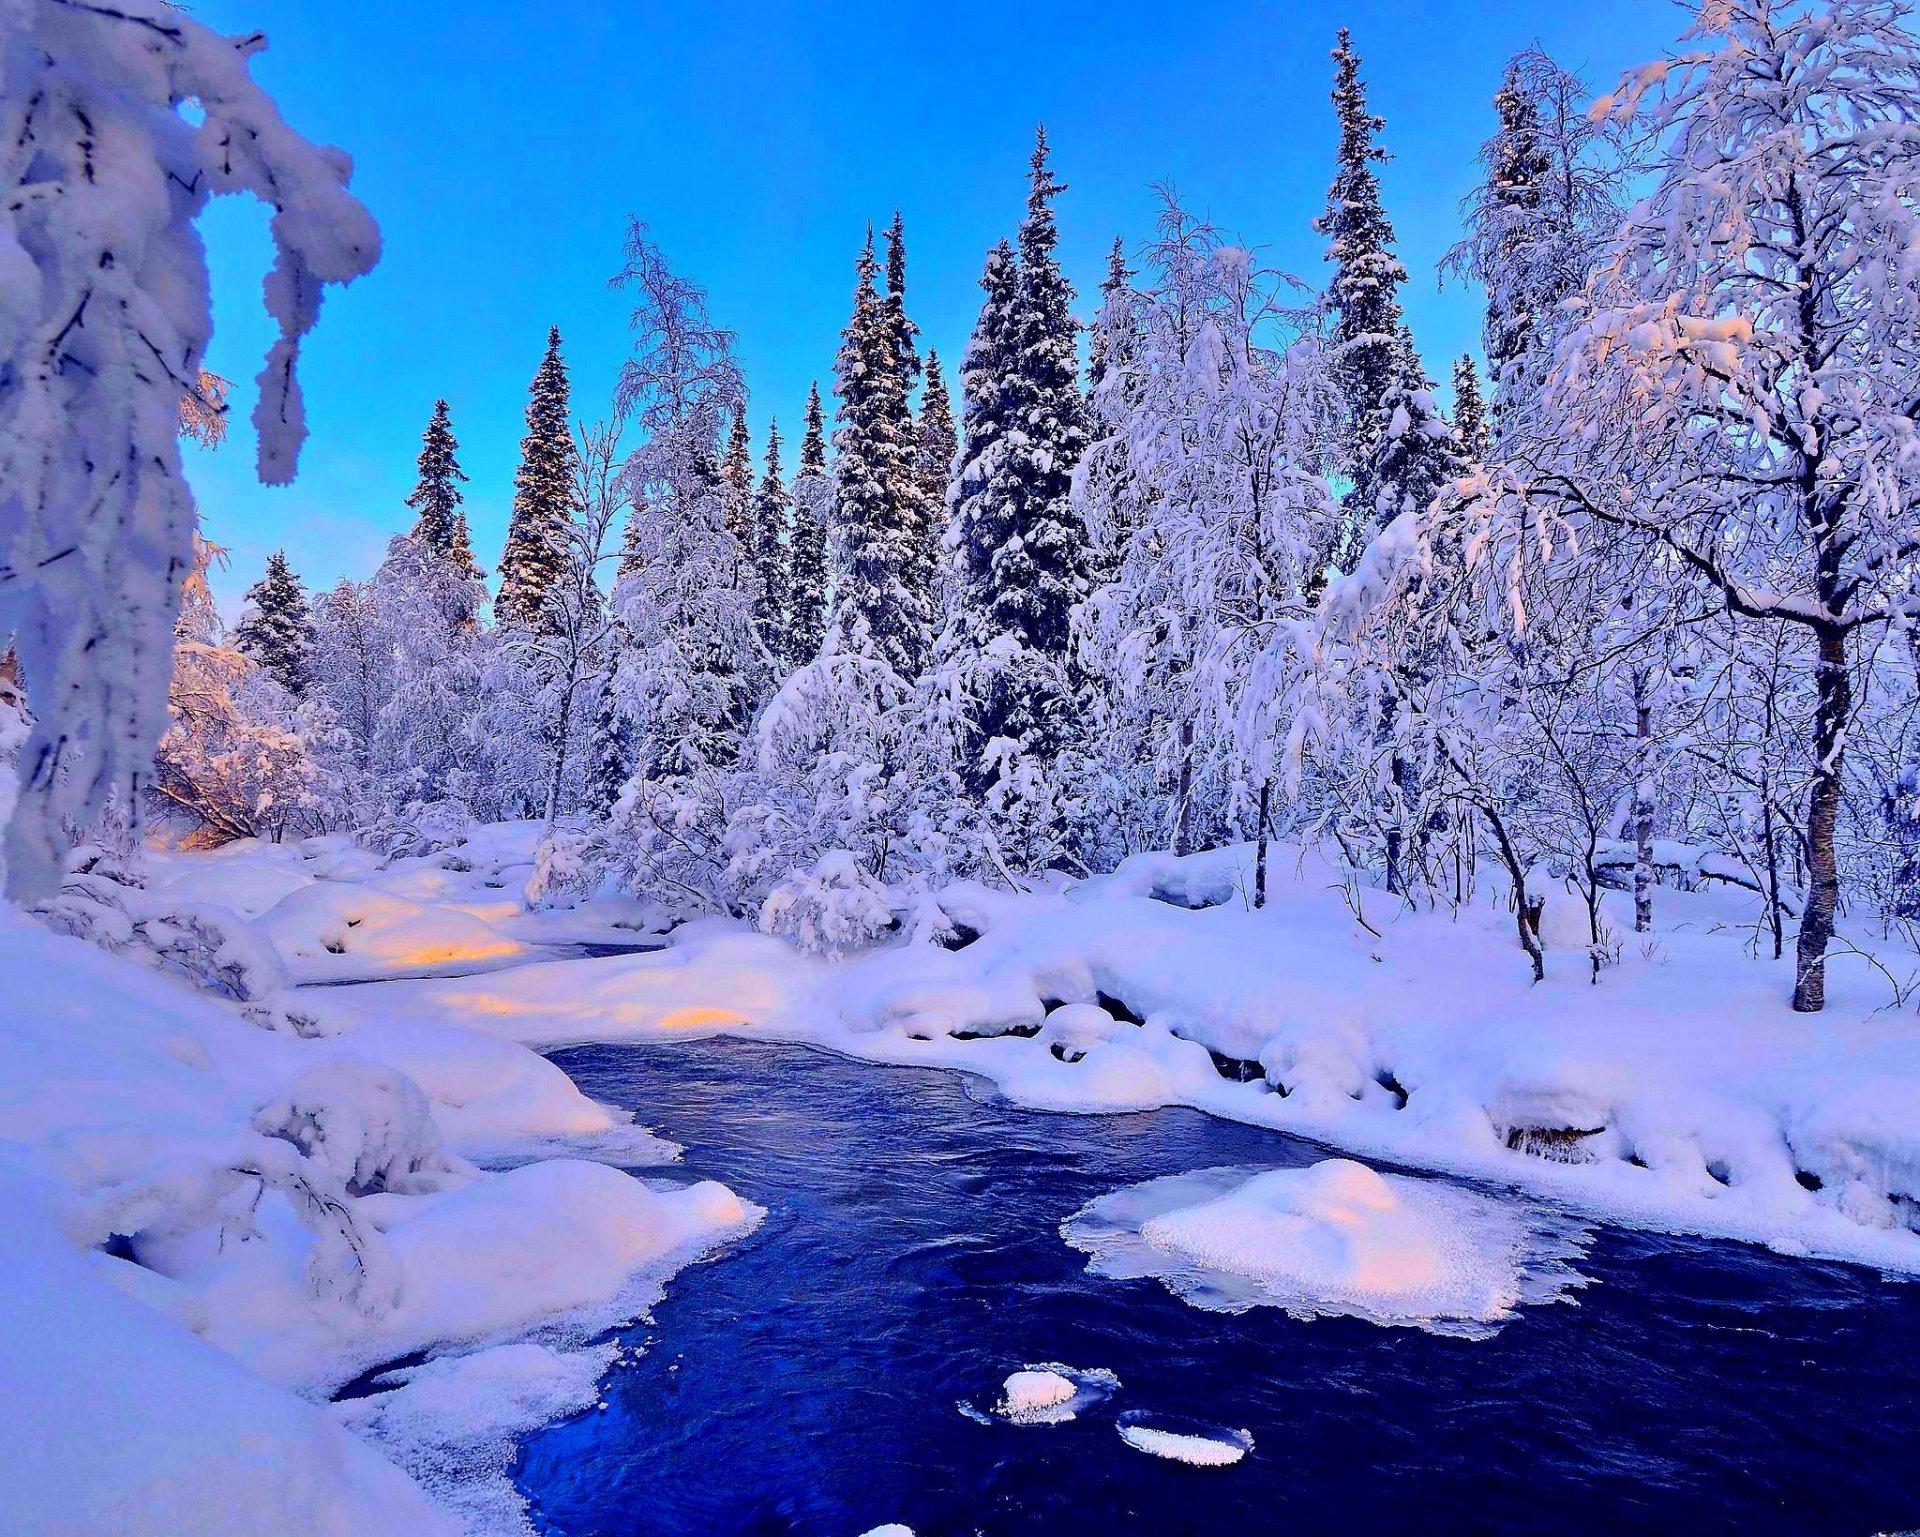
<point x="830" y="909"/>
<point x="369" y="1126"/>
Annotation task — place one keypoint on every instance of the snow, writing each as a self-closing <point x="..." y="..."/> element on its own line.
<point x="1221" y="1450"/>
<point x="196" y="1210"/>
<point x="341" y="931"/>
<point x="1029" y="1393"/>
<point x="1679" y="1092"/>
<point x="1335" y="1238"/>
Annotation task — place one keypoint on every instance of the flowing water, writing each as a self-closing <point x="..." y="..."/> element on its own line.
<point x="808" y="1380"/>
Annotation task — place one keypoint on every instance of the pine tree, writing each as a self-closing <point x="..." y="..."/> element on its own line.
<point x="772" y="513"/>
<point x="278" y="629"/>
<point x="918" y="503"/>
<point x="936" y="445"/>
<point x="1023" y="546"/>
<point x="543" y="496"/>
<point x="737" y="470"/>
<point x="1365" y="290"/>
<point x="442" y="523"/>
<point x="808" y="512"/>
<point x="1470" y="411"/>
<point x="1517" y="166"/>
<point x="880" y="609"/>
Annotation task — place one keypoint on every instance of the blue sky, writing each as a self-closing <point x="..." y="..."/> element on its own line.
<point x="503" y="144"/>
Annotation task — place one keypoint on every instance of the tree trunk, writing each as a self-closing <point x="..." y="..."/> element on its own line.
<point x="1260" y="849"/>
<point x="1183" y="811"/>
<point x="1823" y="810"/>
<point x="1643" y="796"/>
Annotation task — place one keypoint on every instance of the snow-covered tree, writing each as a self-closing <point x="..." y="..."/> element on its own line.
<point x="1364" y="292"/>
<point x="118" y="124"/>
<point x="1470" y="424"/>
<point x="1201" y="483"/>
<point x="772" y="518"/>
<point x="543" y="486"/>
<point x="736" y="469"/>
<point x="1553" y="193"/>
<point x="276" y="630"/>
<point x="441" y="522"/>
<point x="883" y="604"/>
<point x="807" y="541"/>
<point x="1745" y="382"/>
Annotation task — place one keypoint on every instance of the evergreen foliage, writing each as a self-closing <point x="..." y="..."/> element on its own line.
<point x="543" y="497"/>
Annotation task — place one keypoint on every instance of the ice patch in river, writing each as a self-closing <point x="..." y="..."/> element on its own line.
<point x="1047" y="1393"/>
<point x="1197" y="1446"/>
<point x="1335" y="1238"/>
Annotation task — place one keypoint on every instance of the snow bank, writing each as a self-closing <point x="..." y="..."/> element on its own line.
<point x="339" y="930"/>
<point x="1029" y="1392"/>
<point x="198" y="1210"/>
<point x="1334" y="1238"/>
<point x="1679" y="1093"/>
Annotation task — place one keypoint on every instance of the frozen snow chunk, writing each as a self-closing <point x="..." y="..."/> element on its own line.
<point x="1030" y="1393"/>
<point x="1197" y="1447"/>
<point x="1565" y="923"/>
<point x="332" y="931"/>
<point x="1074" y="1029"/>
<point x="1334" y="1239"/>
<point x="891" y="1529"/>
<point x="1046" y="1393"/>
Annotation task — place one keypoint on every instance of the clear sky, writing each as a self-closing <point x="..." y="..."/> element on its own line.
<point x="502" y="144"/>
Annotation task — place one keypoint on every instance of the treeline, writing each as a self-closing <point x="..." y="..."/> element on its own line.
<point x="1639" y="608"/>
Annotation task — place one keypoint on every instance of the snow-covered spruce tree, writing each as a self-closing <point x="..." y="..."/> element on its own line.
<point x="1743" y="388"/>
<point x="1007" y="656"/>
<point x="1201" y="484"/>
<point x="918" y="498"/>
<point x="1365" y="289"/>
<point x="1470" y="424"/>
<point x="543" y="487"/>
<point x="935" y="446"/>
<point x="276" y="630"/>
<point x="772" y="516"/>
<point x="1554" y="191"/>
<point x="118" y="123"/>
<point x="736" y="469"/>
<point x="440" y="526"/>
<point x="882" y="605"/>
<point x="807" y="541"/>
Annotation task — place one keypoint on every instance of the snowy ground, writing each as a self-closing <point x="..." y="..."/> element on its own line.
<point x="208" y="1224"/>
<point x="243" y="1214"/>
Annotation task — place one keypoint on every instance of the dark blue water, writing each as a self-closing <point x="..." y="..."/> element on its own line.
<point x="806" y="1382"/>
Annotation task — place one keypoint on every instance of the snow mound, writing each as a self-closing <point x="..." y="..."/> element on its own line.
<point x="1046" y="1393"/>
<point x="335" y="931"/>
<point x="1211" y="1449"/>
<point x="1334" y="1239"/>
<point x="1029" y="1393"/>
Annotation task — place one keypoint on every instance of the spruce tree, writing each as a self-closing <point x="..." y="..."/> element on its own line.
<point x="936" y="442"/>
<point x="880" y="608"/>
<point x="918" y="504"/>
<point x="1470" y="423"/>
<point x="441" y="526"/>
<point x="1022" y="544"/>
<point x="772" y="513"/>
<point x="810" y="507"/>
<point x="535" y="557"/>
<point x="1365" y="290"/>
<point x="1517" y="168"/>
<point x="277" y="632"/>
<point x="737" y="470"/>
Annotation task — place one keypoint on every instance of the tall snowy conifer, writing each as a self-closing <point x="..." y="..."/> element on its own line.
<point x="936" y="442"/>
<point x="543" y="493"/>
<point x="772" y="513"/>
<point x="881" y="608"/>
<point x="737" y="470"/>
<point x="441" y="526"/>
<point x="811" y="506"/>
<point x="277" y="631"/>
<point x="1470" y="423"/>
<point x="1021" y="542"/>
<point x="1365" y="290"/>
